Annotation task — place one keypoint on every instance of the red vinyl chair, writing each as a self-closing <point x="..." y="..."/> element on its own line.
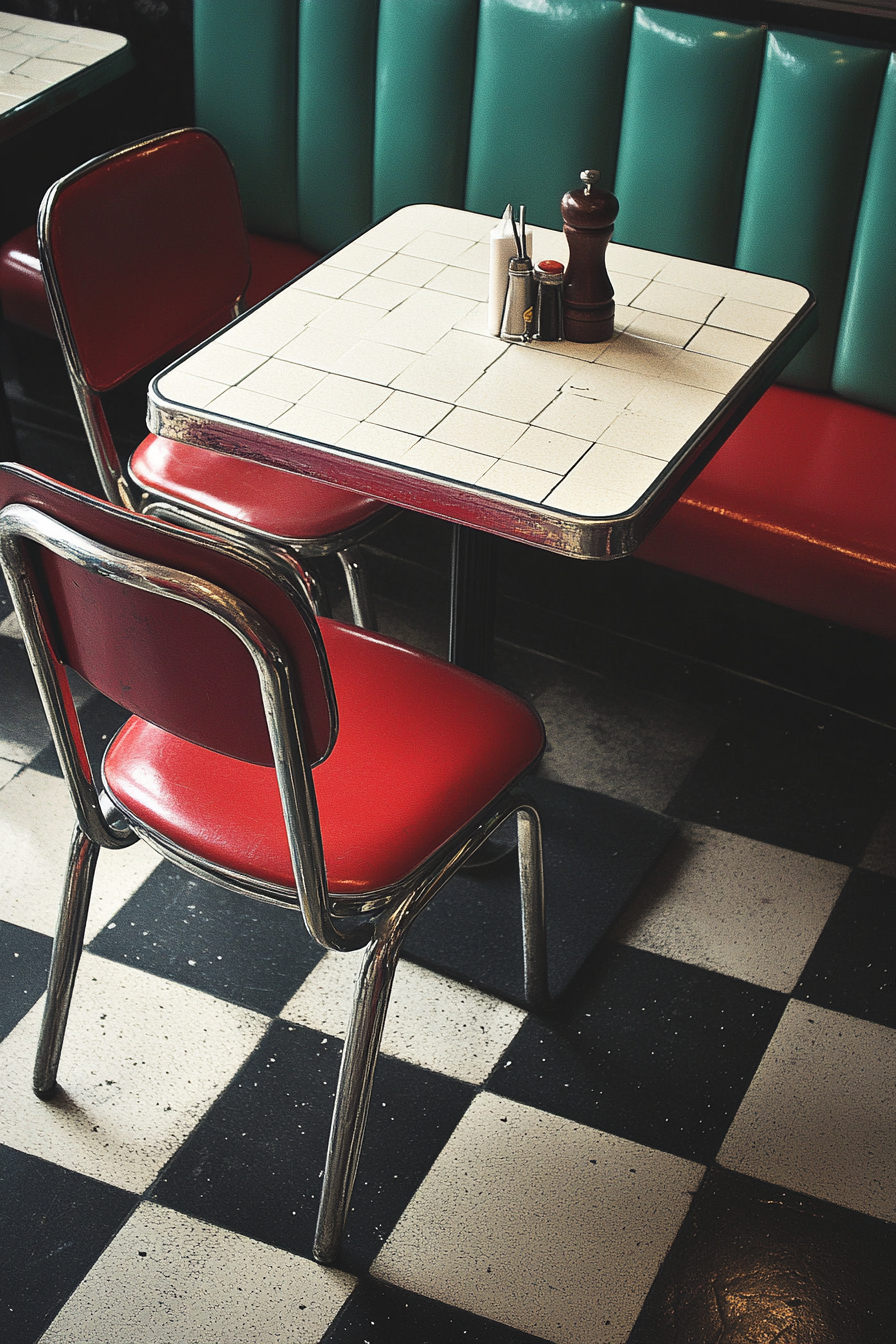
<point x="311" y="763"/>
<point x="144" y="254"/>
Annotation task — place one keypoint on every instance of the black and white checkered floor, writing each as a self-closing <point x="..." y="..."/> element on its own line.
<point x="695" y="1145"/>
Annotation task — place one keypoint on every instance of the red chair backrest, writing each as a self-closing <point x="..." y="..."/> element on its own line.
<point x="147" y="249"/>
<point x="163" y="660"/>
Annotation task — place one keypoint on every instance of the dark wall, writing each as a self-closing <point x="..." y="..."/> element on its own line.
<point x="155" y="96"/>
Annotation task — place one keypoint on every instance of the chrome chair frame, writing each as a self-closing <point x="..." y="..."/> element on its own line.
<point x="117" y="486"/>
<point x="379" y="920"/>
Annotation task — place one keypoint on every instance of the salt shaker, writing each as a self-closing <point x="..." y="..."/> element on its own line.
<point x="518" y="323"/>
<point x="588" y="218"/>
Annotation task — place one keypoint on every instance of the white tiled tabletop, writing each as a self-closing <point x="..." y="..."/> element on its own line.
<point x="380" y="353"/>
<point x="38" y="57"/>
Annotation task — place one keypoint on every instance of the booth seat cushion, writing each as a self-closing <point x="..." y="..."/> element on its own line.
<point x="22" y="294"/>
<point x="796" y="508"/>
<point x="262" y="498"/>
<point x="24" y="300"/>
<point x="422" y="748"/>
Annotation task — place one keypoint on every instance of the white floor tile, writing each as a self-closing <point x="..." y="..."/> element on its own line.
<point x="543" y="1224"/>
<point x="734" y="905"/>
<point x="819" y="1114"/>
<point x="8" y="771"/>
<point x="9" y="627"/>
<point x="617" y="740"/>
<point x="36" y="821"/>
<point x="433" y="1022"/>
<point x="143" y="1060"/>
<point x="188" y="1280"/>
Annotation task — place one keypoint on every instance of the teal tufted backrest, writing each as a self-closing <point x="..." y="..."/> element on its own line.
<point x="771" y="151"/>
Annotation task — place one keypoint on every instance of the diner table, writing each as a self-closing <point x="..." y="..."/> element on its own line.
<point x="374" y="370"/>
<point x="44" y="66"/>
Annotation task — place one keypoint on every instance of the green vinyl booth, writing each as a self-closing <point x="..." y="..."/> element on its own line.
<point x="773" y="151"/>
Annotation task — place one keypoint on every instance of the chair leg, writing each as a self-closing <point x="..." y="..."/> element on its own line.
<point x="66" y="955"/>
<point x="359" y="1056"/>
<point x="360" y="596"/>
<point x="535" y="962"/>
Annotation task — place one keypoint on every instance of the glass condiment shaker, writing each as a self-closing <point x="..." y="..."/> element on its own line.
<point x="549" y="302"/>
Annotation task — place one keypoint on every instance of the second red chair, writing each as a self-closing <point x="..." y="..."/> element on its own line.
<point x="145" y="253"/>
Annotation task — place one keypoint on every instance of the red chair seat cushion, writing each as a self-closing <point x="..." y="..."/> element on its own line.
<point x="22" y="292"/>
<point x="797" y="508"/>
<point x="422" y="748"/>
<point x="24" y="300"/>
<point x="258" y="497"/>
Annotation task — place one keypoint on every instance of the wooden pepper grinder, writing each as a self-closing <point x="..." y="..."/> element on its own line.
<point x="588" y="217"/>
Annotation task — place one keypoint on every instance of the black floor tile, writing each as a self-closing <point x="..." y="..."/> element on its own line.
<point x="100" y="720"/>
<point x="652" y="1050"/>
<point x="853" y="966"/>
<point x="254" y="1163"/>
<point x="755" y="1264"/>
<point x="378" y="1313"/>
<point x="54" y="1224"/>
<point x="597" y="851"/>
<point x="22" y="718"/>
<point x="24" y="962"/>
<point x="786" y="787"/>
<point x="249" y="952"/>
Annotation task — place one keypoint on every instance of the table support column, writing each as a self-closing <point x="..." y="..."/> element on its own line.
<point x="471" y="632"/>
